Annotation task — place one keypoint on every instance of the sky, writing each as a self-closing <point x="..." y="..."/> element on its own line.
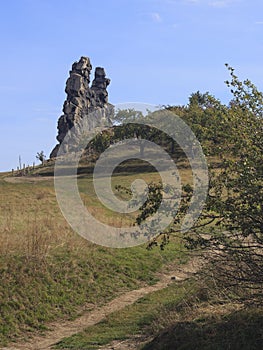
<point x="154" y="51"/>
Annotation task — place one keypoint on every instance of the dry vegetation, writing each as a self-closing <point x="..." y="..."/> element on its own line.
<point x="48" y="272"/>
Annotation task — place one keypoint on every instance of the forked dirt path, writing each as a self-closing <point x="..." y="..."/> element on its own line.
<point x="61" y="329"/>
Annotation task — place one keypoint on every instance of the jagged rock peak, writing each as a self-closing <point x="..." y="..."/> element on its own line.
<point x="82" y="67"/>
<point x="85" y="107"/>
<point x="79" y="78"/>
<point x="99" y="85"/>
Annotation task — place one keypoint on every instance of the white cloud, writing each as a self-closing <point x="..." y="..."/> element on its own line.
<point x="222" y="3"/>
<point x="217" y="4"/>
<point x="211" y="3"/>
<point x="156" y="17"/>
<point x="259" y="22"/>
<point x="175" y="26"/>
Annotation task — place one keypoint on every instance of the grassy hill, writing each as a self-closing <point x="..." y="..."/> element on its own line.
<point x="48" y="272"/>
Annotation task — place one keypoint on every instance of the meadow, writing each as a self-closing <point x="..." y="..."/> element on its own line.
<point x="51" y="274"/>
<point x="48" y="272"/>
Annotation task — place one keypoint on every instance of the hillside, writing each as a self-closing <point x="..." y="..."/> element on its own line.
<point x="48" y="271"/>
<point x="49" y="274"/>
<point x="51" y="277"/>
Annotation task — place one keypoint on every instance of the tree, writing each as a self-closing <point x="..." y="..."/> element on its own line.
<point x="128" y="128"/>
<point x="208" y="119"/>
<point x="41" y="156"/>
<point x="127" y="125"/>
<point x="230" y="228"/>
<point x="124" y="116"/>
<point x="238" y="189"/>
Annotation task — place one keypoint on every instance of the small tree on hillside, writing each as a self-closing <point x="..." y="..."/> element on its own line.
<point x="41" y="157"/>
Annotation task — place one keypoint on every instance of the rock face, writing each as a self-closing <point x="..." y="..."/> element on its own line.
<point x="85" y="108"/>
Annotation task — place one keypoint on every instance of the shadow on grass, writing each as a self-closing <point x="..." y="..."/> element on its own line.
<point x="241" y="330"/>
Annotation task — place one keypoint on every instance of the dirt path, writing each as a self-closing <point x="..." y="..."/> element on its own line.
<point x="27" y="179"/>
<point x="61" y="330"/>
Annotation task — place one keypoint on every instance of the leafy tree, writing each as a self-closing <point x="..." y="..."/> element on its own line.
<point x="245" y="94"/>
<point x="207" y="117"/>
<point x="128" y="125"/>
<point x="101" y="141"/>
<point x="231" y="225"/>
<point x="128" y="128"/>
<point x="124" y="116"/>
<point x="238" y="189"/>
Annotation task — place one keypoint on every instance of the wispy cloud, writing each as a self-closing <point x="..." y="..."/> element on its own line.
<point x="219" y="3"/>
<point x="175" y="25"/>
<point x="155" y="16"/>
<point x="213" y="3"/>
<point x="259" y="22"/>
<point x="223" y="3"/>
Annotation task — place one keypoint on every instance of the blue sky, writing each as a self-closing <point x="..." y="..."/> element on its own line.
<point x="154" y="51"/>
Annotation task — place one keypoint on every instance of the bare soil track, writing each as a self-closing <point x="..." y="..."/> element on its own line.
<point x="64" y="329"/>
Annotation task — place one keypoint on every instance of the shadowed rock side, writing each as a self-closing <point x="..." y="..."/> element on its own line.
<point x="85" y="108"/>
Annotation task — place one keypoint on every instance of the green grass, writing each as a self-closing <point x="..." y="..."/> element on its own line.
<point x="182" y="316"/>
<point x="48" y="272"/>
<point x="129" y="321"/>
<point x="34" y="292"/>
<point x="239" y="330"/>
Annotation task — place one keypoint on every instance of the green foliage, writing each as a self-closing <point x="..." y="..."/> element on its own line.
<point x="131" y="124"/>
<point x="245" y="94"/>
<point x="232" y="222"/>
<point x="207" y="117"/>
<point x="124" y="116"/>
<point x="238" y="189"/>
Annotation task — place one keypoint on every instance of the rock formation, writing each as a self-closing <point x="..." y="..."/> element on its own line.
<point x="85" y="108"/>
